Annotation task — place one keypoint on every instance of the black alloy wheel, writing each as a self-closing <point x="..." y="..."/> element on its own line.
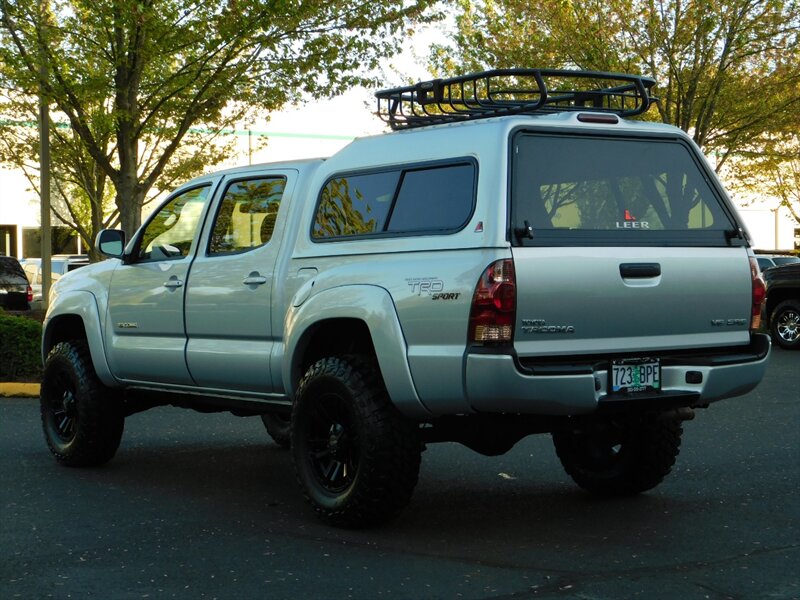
<point x="63" y="413"/>
<point x="332" y="444"/>
<point x="82" y="422"/>
<point x="356" y="457"/>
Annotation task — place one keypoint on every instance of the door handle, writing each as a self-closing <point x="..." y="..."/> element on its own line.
<point x="255" y="278"/>
<point x="639" y="270"/>
<point x="173" y="282"/>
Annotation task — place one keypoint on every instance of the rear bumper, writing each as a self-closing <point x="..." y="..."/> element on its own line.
<point x="502" y="383"/>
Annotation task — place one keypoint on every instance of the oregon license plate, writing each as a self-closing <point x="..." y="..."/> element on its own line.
<point x="635" y="375"/>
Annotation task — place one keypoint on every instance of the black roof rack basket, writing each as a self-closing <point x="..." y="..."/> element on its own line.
<point x="503" y="92"/>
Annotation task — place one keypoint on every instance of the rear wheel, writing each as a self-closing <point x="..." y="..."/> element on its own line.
<point x="623" y="456"/>
<point x="82" y="425"/>
<point x="356" y="457"/>
<point x="785" y="324"/>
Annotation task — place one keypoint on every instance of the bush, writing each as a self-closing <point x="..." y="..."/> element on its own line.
<point x="20" y="354"/>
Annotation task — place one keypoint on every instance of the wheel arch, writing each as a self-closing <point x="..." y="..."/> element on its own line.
<point x="77" y="317"/>
<point x="778" y="295"/>
<point x="359" y="319"/>
<point x="333" y="336"/>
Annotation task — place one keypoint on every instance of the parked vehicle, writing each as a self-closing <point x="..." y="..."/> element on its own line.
<point x="783" y="305"/>
<point x="527" y="260"/>
<point x="60" y="264"/>
<point x="15" y="292"/>
<point x="766" y="261"/>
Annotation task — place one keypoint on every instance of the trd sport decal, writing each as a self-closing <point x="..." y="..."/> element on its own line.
<point x="430" y="286"/>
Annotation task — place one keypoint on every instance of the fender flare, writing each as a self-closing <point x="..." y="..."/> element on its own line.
<point x="373" y="305"/>
<point x="83" y="305"/>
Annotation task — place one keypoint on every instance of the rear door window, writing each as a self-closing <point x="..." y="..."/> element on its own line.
<point x="612" y="190"/>
<point x="246" y="216"/>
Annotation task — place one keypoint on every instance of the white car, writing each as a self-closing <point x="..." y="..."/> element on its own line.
<point x="59" y="265"/>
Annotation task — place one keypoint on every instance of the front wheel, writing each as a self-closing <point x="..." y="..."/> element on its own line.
<point x="82" y="425"/>
<point x="278" y="427"/>
<point x="356" y="457"/>
<point x="623" y="456"/>
<point x="785" y="324"/>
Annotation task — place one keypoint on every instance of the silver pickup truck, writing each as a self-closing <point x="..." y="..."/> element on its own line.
<point x="519" y="256"/>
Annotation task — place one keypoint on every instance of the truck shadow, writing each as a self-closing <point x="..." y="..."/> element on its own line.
<point x="251" y="486"/>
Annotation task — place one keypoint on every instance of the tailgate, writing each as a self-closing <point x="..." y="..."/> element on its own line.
<point x="578" y="301"/>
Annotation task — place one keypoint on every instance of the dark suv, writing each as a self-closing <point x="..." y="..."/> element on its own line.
<point x="15" y="291"/>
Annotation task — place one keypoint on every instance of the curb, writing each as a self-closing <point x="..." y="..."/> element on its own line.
<point x="19" y="390"/>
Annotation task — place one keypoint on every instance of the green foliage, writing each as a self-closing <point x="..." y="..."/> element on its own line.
<point x="771" y="168"/>
<point x="20" y="342"/>
<point x="136" y="79"/>
<point x="728" y="71"/>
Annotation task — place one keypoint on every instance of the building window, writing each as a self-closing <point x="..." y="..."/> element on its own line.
<point x="63" y="240"/>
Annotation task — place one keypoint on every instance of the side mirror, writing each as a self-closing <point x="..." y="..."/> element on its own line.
<point x="110" y="242"/>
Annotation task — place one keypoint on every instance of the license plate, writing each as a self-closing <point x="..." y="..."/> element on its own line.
<point x="637" y="375"/>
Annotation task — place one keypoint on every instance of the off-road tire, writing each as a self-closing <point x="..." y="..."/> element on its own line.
<point x="623" y="456"/>
<point x="278" y="427"/>
<point x="356" y="457"/>
<point x="784" y="325"/>
<point x="82" y="424"/>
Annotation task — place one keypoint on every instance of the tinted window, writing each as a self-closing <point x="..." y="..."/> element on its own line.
<point x="355" y="205"/>
<point x="246" y="216"/>
<point x="602" y="185"/>
<point x="170" y="232"/>
<point x="764" y="263"/>
<point x="432" y="199"/>
<point x="10" y="267"/>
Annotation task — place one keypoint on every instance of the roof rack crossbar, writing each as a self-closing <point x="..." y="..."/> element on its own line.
<point x="503" y="92"/>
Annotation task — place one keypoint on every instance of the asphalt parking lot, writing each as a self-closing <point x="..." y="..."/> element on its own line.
<point x="205" y="506"/>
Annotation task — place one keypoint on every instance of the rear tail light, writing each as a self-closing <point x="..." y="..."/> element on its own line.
<point x="494" y="305"/>
<point x="759" y="295"/>
<point x="30" y="293"/>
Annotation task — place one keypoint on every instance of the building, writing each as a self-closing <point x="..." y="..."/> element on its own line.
<point x="771" y="229"/>
<point x="20" y="230"/>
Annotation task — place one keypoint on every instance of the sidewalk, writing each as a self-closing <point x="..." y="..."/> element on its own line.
<point x="19" y="390"/>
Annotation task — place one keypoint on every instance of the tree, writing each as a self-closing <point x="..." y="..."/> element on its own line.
<point x="772" y="169"/>
<point x="728" y="71"/>
<point x="134" y="77"/>
<point x="83" y="197"/>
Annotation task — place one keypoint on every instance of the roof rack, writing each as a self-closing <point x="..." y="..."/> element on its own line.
<point x="501" y="92"/>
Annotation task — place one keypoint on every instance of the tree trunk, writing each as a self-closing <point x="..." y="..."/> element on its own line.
<point x="129" y="202"/>
<point x="130" y="195"/>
